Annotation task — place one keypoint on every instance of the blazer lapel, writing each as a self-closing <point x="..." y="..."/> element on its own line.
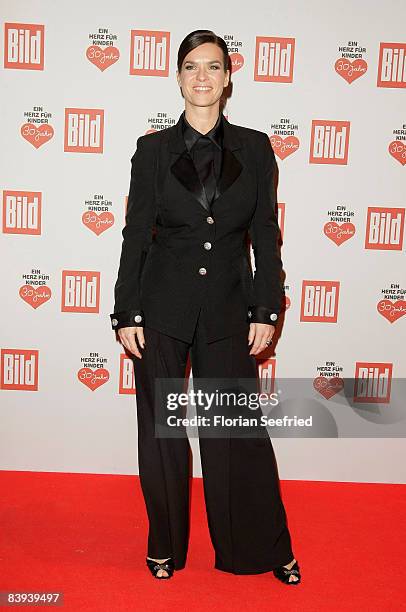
<point x="184" y="169"/>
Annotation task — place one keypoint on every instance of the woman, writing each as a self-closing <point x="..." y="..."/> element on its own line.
<point x="203" y="183"/>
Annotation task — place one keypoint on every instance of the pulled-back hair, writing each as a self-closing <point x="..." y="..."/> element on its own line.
<point x="199" y="37"/>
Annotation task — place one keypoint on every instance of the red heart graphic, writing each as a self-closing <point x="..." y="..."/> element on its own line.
<point x="37" y="136"/>
<point x="98" y="223"/>
<point x="284" y="146"/>
<point x="397" y="149"/>
<point x="93" y="378"/>
<point x="237" y="62"/>
<point x="286" y="303"/>
<point x="392" y="311"/>
<point x="339" y="233"/>
<point x="350" y="70"/>
<point x="102" y="58"/>
<point x="328" y="387"/>
<point x="35" y="296"/>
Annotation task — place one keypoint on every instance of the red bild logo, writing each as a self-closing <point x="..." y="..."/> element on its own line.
<point x="385" y="227"/>
<point x="22" y="212"/>
<point x="274" y="58"/>
<point x="372" y="383"/>
<point x="24" y="46"/>
<point x="392" y="65"/>
<point x="329" y="142"/>
<point x="149" y="53"/>
<point x="320" y="301"/>
<point x="19" y="369"/>
<point x="80" y="291"/>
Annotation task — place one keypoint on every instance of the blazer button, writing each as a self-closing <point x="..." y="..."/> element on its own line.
<point x="138" y="318"/>
<point x="273" y="316"/>
<point x="210" y="220"/>
<point x="202" y="271"/>
<point x="114" y="322"/>
<point x="207" y="246"/>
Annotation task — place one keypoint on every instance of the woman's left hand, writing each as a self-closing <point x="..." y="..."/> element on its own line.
<point x="258" y="335"/>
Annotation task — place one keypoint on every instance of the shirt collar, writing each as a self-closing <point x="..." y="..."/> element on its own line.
<point x="191" y="135"/>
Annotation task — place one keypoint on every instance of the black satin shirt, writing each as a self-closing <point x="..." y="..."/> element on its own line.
<point x="204" y="148"/>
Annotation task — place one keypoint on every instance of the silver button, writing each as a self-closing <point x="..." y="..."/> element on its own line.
<point x="202" y="271"/>
<point x="210" y="220"/>
<point x="273" y="316"/>
<point x="207" y="246"/>
<point x="114" y="322"/>
<point x="249" y="313"/>
<point x="138" y="318"/>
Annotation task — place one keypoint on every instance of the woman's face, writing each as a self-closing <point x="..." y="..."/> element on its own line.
<point x="202" y="77"/>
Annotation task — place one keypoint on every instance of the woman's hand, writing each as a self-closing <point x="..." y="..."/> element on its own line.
<point x="259" y="333"/>
<point x="127" y="338"/>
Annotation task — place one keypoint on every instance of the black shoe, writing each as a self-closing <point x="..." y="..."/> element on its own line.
<point x="283" y="573"/>
<point x="168" y="566"/>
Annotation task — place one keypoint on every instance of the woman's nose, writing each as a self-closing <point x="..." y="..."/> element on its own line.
<point x="201" y="74"/>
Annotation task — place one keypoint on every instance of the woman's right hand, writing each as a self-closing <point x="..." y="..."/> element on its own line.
<point x="127" y="337"/>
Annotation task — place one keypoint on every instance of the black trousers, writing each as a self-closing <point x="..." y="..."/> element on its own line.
<point x="245" y="512"/>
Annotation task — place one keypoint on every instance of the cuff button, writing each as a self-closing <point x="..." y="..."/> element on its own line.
<point x="114" y="322"/>
<point x="138" y="318"/>
<point x="273" y="316"/>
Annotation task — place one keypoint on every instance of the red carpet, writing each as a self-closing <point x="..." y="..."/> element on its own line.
<point x="85" y="535"/>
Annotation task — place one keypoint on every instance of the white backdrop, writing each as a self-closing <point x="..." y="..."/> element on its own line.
<point x="52" y="77"/>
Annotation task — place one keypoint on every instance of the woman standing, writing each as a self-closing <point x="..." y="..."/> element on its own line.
<point x="203" y="183"/>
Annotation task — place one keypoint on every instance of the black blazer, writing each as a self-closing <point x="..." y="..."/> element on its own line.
<point x="198" y="256"/>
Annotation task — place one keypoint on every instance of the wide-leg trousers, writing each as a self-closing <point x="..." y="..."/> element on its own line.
<point x="245" y="513"/>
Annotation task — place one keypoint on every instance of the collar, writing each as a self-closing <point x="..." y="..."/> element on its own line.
<point x="191" y="135"/>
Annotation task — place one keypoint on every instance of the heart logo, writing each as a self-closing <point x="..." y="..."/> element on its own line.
<point x="392" y="311"/>
<point x="37" y="136"/>
<point x="397" y="149"/>
<point x="93" y="379"/>
<point x="98" y="223"/>
<point x="350" y="70"/>
<point x="339" y="233"/>
<point x="35" y="296"/>
<point x="102" y="58"/>
<point x="328" y="387"/>
<point x="237" y="62"/>
<point x="284" y="146"/>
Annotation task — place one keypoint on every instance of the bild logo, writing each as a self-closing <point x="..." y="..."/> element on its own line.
<point x="274" y="59"/>
<point x="84" y="130"/>
<point x="266" y="373"/>
<point x="22" y="212"/>
<point x="24" y="46"/>
<point x="19" y="369"/>
<point x="80" y="291"/>
<point x="320" y="301"/>
<point x="329" y="142"/>
<point x="392" y="65"/>
<point x="372" y="382"/>
<point x="126" y="376"/>
<point x="384" y="228"/>
<point x="149" y="53"/>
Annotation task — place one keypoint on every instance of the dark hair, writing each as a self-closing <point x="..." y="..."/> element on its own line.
<point x="199" y="37"/>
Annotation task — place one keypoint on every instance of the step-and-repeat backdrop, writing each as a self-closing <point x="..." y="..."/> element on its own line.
<point x="327" y="83"/>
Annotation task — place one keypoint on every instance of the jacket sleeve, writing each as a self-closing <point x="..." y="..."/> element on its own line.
<point x="137" y="237"/>
<point x="264" y="234"/>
